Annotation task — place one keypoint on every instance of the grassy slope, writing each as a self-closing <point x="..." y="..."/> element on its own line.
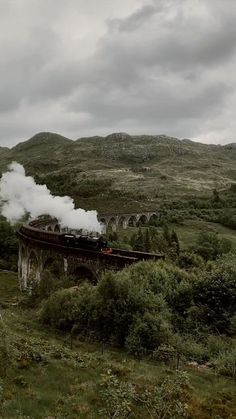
<point x="188" y="232"/>
<point x="67" y="384"/>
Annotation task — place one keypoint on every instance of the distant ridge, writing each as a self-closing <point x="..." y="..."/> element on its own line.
<point x="41" y="138"/>
<point x="124" y="172"/>
<point x="51" y="138"/>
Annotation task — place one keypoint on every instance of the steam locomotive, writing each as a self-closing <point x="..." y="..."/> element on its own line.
<point x="97" y="244"/>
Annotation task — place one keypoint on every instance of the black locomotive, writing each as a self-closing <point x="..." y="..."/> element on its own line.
<point x="86" y="242"/>
<point x="98" y="244"/>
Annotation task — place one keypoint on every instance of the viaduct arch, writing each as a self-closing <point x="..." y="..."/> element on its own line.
<point x="115" y="221"/>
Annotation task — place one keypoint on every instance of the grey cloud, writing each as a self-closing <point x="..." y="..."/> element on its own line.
<point x="163" y="66"/>
<point x="136" y="19"/>
<point x="149" y="105"/>
<point x="172" y="44"/>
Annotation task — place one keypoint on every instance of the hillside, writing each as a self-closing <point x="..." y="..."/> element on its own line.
<point x="98" y="170"/>
<point x="45" y="378"/>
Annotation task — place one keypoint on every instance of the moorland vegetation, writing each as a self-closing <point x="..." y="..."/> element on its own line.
<point x="156" y="339"/>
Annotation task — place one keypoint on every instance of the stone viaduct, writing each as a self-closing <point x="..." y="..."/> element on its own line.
<point x="41" y="248"/>
<point x="116" y="221"/>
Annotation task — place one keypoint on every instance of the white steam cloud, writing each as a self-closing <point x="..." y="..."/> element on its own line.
<point x="20" y="195"/>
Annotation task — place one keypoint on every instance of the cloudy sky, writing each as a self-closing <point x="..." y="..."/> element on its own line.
<point x="92" y="67"/>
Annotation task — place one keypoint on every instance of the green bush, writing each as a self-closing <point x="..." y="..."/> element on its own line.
<point x="69" y="307"/>
<point x="146" y="304"/>
<point x="164" y="353"/>
<point x="211" y="246"/>
<point x="192" y="350"/>
<point x="122" y="305"/>
<point x="189" y="260"/>
<point x="8" y="246"/>
<point x="148" y="333"/>
<point x="225" y="363"/>
<point x="215" y="295"/>
<point x="168" y="400"/>
<point x="5" y="350"/>
<point x="118" y="397"/>
<point x="216" y="344"/>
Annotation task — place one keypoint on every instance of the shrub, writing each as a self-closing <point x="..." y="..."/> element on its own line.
<point x="122" y="300"/>
<point x="9" y="246"/>
<point x="210" y="246"/>
<point x="147" y="333"/>
<point x="5" y="351"/>
<point x="68" y="307"/>
<point x="215" y="294"/>
<point x="216" y="344"/>
<point x="232" y="326"/>
<point x="192" y="350"/>
<point x="122" y="304"/>
<point x="118" y="397"/>
<point x="168" y="400"/>
<point x="189" y="260"/>
<point x="225" y="363"/>
<point x="164" y="353"/>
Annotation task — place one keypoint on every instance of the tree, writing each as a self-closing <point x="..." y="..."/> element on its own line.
<point x="211" y="246"/>
<point x="8" y="246"/>
<point x="215" y="295"/>
<point x="147" y="241"/>
<point x="138" y="241"/>
<point x="166" y="233"/>
<point x="175" y="241"/>
<point x="216" y="196"/>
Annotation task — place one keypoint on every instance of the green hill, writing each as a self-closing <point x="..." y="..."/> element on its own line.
<point x="136" y="171"/>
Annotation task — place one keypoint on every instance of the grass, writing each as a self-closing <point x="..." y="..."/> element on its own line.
<point x="188" y="232"/>
<point x="67" y="383"/>
<point x="9" y="289"/>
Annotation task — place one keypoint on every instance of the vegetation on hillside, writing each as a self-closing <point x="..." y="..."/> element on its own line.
<point x="8" y="246"/>
<point x="156" y="339"/>
<point x="127" y="173"/>
<point x="44" y="374"/>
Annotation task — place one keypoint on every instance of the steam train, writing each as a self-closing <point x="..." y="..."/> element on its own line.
<point x="97" y="244"/>
<point x="86" y="242"/>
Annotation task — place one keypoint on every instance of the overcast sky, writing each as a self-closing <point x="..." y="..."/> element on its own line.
<point x="92" y="67"/>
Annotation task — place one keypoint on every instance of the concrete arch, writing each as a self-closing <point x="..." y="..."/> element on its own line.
<point x="111" y="225"/>
<point x="132" y="221"/>
<point x="84" y="273"/>
<point x="33" y="266"/>
<point x="49" y="228"/>
<point x="153" y="219"/>
<point x="23" y="266"/>
<point x="57" y="228"/>
<point x="122" y="222"/>
<point x="103" y="224"/>
<point x="54" y="265"/>
<point x="23" y="251"/>
<point x="143" y="219"/>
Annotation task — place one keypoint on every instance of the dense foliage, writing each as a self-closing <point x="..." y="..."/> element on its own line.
<point x="8" y="246"/>
<point x="151" y="306"/>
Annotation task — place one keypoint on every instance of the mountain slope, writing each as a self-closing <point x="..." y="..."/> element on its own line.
<point x="132" y="170"/>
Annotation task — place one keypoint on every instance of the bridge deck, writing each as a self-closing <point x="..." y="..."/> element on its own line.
<point x="45" y="239"/>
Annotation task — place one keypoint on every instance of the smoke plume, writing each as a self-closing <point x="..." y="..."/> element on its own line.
<point x="20" y="195"/>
